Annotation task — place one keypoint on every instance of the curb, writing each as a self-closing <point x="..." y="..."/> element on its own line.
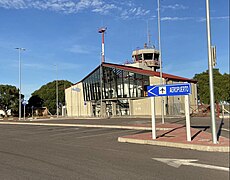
<point x="176" y="145"/>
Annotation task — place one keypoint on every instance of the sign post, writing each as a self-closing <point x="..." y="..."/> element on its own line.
<point x="32" y="107"/>
<point x="24" y="105"/>
<point x="187" y="116"/>
<point x="153" y="118"/>
<point x="170" y="90"/>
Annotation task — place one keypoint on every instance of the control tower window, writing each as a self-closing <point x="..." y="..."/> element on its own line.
<point x="148" y="56"/>
<point x="156" y="57"/>
<point x="139" y="57"/>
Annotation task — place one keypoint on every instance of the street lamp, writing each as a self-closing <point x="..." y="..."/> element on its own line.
<point x="102" y="31"/>
<point x="210" y="66"/>
<point x="57" y="90"/>
<point x="19" y="59"/>
<point x="160" y="60"/>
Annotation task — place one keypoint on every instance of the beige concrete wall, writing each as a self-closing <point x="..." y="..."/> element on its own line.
<point x="193" y="98"/>
<point x="75" y="102"/>
<point x="181" y="99"/>
<point x="142" y="107"/>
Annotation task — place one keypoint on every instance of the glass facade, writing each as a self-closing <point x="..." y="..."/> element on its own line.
<point x="114" y="84"/>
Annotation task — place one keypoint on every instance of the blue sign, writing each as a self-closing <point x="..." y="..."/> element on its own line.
<point x="24" y="102"/>
<point x="169" y="90"/>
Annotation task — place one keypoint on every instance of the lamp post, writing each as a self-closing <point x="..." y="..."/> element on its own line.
<point x="19" y="61"/>
<point x="57" y="89"/>
<point x="210" y="66"/>
<point x="159" y="44"/>
<point x="32" y="107"/>
<point x="24" y="108"/>
<point x="102" y="31"/>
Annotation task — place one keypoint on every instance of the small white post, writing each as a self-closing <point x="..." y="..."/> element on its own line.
<point x="187" y="114"/>
<point x="24" y="112"/>
<point x="222" y="111"/>
<point x="153" y="118"/>
<point x="32" y="112"/>
<point x="71" y="101"/>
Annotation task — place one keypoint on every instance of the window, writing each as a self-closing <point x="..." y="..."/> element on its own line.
<point x="148" y="56"/>
<point x="156" y="56"/>
<point x="116" y="83"/>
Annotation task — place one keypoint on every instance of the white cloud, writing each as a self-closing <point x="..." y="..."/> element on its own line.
<point x="133" y="12"/>
<point x="199" y="19"/>
<point x="79" y="49"/>
<point x="176" y="18"/>
<point x="104" y="9"/>
<point x="175" y="7"/>
<point x="36" y="66"/>
<point x="67" y="66"/>
<point x="65" y="6"/>
<point x="203" y="19"/>
<point x="16" y="4"/>
<point x="40" y="66"/>
<point x="124" y="10"/>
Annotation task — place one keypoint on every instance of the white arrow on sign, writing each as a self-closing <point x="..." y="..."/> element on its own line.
<point x="150" y="91"/>
<point x="188" y="162"/>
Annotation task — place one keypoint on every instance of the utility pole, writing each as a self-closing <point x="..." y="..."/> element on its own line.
<point x="20" y="101"/>
<point x="102" y="31"/>
<point x="210" y="66"/>
<point x="57" y="90"/>
<point x="160" y="60"/>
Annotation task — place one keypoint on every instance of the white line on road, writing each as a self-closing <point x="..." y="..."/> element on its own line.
<point x="225" y="129"/>
<point x="188" y="162"/>
<point x="78" y="125"/>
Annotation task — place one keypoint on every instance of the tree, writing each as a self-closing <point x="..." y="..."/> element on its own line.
<point x="221" y="86"/>
<point x="9" y="99"/>
<point x="35" y="101"/>
<point x="46" y="95"/>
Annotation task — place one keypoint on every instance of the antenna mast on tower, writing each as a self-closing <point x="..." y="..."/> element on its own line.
<point x="148" y="35"/>
<point x="102" y="31"/>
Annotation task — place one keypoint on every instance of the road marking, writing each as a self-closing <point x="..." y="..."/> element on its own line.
<point x="225" y="129"/>
<point x="78" y="125"/>
<point x="188" y="162"/>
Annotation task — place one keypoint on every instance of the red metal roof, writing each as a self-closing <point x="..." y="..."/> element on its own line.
<point x="141" y="71"/>
<point x="148" y="72"/>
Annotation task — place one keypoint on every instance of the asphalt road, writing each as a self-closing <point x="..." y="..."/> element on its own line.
<point x="44" y="152"/>
<point x="202" y="123"/>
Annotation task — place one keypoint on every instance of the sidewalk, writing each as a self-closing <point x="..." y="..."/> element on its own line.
<point x="174" y="135"/>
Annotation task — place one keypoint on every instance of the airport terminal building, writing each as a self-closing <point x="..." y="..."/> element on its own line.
<point x="112" y="90"/>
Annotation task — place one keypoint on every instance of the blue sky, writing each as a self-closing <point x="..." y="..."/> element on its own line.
<point x="64" y="32"/>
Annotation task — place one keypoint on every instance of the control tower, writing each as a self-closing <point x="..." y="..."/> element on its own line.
<point x="146" y="58"/>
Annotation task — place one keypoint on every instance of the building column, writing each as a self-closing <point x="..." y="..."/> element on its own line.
<point x="114" y="108"/>
<point x="103" y="109"/>
<point x="130" y="107"/>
